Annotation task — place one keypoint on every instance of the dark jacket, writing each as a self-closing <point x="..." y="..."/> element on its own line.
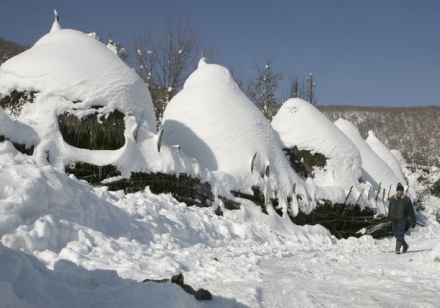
<point x="401" y="208"/>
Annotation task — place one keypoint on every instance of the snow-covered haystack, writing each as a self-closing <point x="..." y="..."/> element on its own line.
<point x="383" y="152"/>
<point x="70" y="78"/>
<point x="332" y="162"/>
<point x="301" y="125"/>
<point x="71" y="67"/>
<point x="213" y="121"/>
<point x="374" y="169"/>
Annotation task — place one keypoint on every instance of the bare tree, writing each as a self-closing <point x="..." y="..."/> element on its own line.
<point x="303" y="89"/>
<point x="261" y="90"/>
<point x="117" y="48"/>
<point x="165" y="61"/>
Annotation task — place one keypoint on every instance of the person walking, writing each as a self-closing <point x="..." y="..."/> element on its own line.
<point x="400" y="208"/>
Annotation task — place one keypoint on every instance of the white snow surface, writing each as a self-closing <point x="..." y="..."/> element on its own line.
<point x="67" y="244"/>
<point x="213" y="121"/>
<point x="385" y="154"/>
<point x="374" y="169"/>
<point x="64" y="243"/>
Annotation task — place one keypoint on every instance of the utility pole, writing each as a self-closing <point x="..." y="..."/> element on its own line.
<point x="311" y="88"/>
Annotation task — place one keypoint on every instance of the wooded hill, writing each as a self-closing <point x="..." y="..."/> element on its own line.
<point x="414" y="131"/>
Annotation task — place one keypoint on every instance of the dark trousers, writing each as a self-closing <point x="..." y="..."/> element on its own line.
<point x="398" y="227"/>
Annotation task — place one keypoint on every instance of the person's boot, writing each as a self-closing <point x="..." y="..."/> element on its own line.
<point x="405" y="247"/>
<point x="398" y="245"/>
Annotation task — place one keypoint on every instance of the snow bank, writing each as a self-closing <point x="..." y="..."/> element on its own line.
<point x="26" y="282"/>
<point x="94" y="242"/>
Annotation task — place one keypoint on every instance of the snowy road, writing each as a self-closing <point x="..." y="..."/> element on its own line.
<point x="354" y="275"/>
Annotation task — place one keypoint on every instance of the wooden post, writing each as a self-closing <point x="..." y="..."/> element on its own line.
<point x="389" y="191"/>
<point x="378" y="193"/>
<point x="359" y="197"/>
<point x="348" y="195"/>
<point x="159" y="140"/>
<point x="252" y="162"/>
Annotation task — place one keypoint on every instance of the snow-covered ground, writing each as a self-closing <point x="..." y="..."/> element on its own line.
<point x="65" y="243"/>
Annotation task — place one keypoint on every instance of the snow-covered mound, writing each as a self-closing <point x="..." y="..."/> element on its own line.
<point x="73" y="73"/>
<point x="70" y="66"/>
<point x="301" y="124"/>
<point x="374" y="169"/>
<point x="213" y="121"/>
<point x="383" y="152"/>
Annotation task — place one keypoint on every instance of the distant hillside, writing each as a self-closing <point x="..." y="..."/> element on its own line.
<point x="414" y="131"/>
<point x="9" y="49"/>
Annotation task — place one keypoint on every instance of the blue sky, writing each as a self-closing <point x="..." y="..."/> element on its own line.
<point x="369" y="53"/>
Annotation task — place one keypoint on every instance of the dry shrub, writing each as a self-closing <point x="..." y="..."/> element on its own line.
<point x="435" y="189"/>
<point x="15" y="101"/>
